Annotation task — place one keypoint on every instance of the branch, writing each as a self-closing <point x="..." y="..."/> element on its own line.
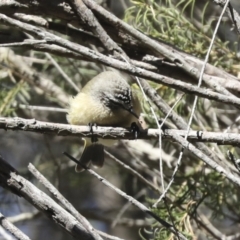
<point x="33" y="125"/>
<point x="232" y="13"/>
<point x="133" y="47"/>
<point x="68" y="206"/>
<point x="87" y="17"/>
<point x="59" y="129"/>
<point x="12" y="181"/>
<point x="175" y="57"/>
<point x="133" y="201"/>
<point x="6" y="224"/>
<point x="177" y="84"/>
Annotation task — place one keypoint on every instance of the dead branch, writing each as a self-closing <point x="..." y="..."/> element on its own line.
<point x="11" y="180"/>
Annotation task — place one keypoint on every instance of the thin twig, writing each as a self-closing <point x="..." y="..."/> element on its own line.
<point x="132" y="171"/>
<point x="65" y="76"/>
<point x="193" y="108"/>
<point x="39" y="108"/>
<point x="156" y="121"/>
<point x="129" y="198"/>
<point x="125" y="207"/>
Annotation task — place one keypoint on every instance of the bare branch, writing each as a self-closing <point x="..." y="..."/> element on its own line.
<point x="232" y="13"/>
<point x="63" y="201"/>
<point x="174" y="56"/>
<point x="134" y="202"/>
<point x="89" y="19"/>
<point x="12" y="181"/>
<point x="177" y="84"/>
<point x="33" y="125"/>
<point x="6" y="224"/>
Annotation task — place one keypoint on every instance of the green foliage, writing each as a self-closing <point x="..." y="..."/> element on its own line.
<point x="181" y="25"/>
<point x="191" y="196"/>
<point x="9" y="94"/>
<point x="197" y="191"/>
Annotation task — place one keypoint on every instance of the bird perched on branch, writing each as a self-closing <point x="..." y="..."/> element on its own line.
<point x="106" y="100"/>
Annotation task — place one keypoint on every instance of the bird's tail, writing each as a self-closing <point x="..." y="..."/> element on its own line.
<point x="92" y="153"/>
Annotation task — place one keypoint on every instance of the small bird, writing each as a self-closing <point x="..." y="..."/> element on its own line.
<point x="106" y="100"/>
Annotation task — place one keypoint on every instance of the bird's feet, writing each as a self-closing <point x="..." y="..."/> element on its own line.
<point x="135" y="130"/>
<point x="93" y="138"/>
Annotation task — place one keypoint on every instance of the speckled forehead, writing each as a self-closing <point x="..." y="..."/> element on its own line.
<point x="117" y="83"/>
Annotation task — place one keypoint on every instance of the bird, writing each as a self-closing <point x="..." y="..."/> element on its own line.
<point x="106" y="100"/>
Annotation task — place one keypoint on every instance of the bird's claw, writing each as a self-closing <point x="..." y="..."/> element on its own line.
<point x="135" y="130"/>
<point x="93" y="138"/>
